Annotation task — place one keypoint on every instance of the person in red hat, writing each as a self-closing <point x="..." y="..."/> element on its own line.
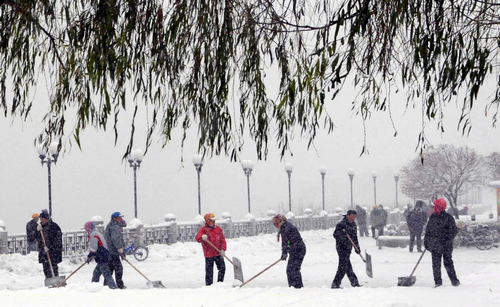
<point x="214" y="234"/>
<point x="439" y="234"/>
<point x="292" y="244"/>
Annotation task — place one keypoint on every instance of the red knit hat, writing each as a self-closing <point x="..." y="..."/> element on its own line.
<point x="277" y="219"/>
<point x="439" y="205"/>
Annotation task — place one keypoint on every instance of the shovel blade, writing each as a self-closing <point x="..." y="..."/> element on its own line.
<point x="155" y="284"/>
<point x="406" y="281"/>
<point x="54" y="282"/>
<point x="369" y="270"/>
<point x="238" y="270"/>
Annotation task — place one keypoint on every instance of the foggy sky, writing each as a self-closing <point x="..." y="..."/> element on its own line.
<point x="95" y="181"/>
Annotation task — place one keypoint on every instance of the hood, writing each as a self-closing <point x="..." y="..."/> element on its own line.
<point x="439" y="205"/>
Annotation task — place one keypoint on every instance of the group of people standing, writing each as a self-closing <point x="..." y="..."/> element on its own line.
<point x="439" y="235"/>
<point x="107" y="250"/>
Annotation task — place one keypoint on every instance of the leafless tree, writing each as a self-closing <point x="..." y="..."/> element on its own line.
<point x="493" y="165"/>
<point x="443" y="171"/>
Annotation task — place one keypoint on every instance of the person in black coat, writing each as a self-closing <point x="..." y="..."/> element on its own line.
<point x="416" y="220"/>
<point x="361" y="216"/>
<point x="31" y="233"/>
<point x="53" y="239"/>
<point x="439" y="234"/>
<point x="292" y="244"/>
<point x="344" y="246"/>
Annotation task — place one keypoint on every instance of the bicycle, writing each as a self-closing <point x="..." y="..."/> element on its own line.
<point x="140" y="253"/>
<point x="479" y="237"/>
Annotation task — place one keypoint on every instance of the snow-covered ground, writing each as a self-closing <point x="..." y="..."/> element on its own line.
<point x="180" y="267"/>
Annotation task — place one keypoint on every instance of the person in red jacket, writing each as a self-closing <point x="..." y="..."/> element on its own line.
<point x="214" y="234"/>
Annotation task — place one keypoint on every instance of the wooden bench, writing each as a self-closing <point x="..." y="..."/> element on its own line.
<point x="393" y="241"/>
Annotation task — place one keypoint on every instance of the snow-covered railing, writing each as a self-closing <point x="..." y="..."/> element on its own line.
<point x="75" y="242"/>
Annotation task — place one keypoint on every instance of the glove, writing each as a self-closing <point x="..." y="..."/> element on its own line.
<point x="204" y="237"/>
<point x="222" y="253"/>
<point x="39" y="227"/>
<point x="283" y="257"/>
<point x="121" y="252"/>
<point x="89" y="259"/>
<point x="46" y="249"/>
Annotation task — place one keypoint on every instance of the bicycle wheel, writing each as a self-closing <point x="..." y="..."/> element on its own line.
<point x="141" y="253"/>
<point x="483" y="240"/>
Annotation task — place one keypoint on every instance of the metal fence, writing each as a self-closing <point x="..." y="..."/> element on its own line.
<point x="75" y="243"/>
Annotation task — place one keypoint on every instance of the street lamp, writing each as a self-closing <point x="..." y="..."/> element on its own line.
<point x="289" y="169"/>
<point x="198" y="163"/>
<point x="48" y="159"/>
<point x="322" y="171"/>
<point x="247" y="169"/>
<point x="396" y="177"/>
<point x="350" y="172"/>
<point x="374" y="175"/>
<point x="135" y="159"/>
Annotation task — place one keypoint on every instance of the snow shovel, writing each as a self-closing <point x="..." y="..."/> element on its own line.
<point x="238" y="270"/>
<point x="410" y="280"/>
<point x="55" y="281"/>
<point x="64" y="281"/>
<point x="151" y="284"/>
<point x="261" y="272"/>
<point x="368" y="260"/>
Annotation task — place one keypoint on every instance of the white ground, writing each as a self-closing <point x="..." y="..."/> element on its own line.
<point x="180" y="267"/>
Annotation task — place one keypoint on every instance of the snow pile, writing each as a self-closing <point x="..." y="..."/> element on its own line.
<point x="181" y="268"/>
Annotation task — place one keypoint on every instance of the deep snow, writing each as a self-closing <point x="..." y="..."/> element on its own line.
<point x="180" y="267"/>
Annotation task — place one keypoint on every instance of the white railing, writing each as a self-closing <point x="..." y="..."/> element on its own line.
<point x="75" y="242"/>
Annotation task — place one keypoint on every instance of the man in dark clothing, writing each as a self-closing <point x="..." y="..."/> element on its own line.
<point x="416" y="220"/>
<point x="53" y="239"/>
<point x="439" y="234"/>
<point x="291" y="243"/>
<point x="363" y="228"/>
<point x="116" y="245"/>
<point x="346" y="227"/>
<point x="31" y="233"/>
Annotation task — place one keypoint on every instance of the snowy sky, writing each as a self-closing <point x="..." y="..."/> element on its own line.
<point x="95" y="181"/>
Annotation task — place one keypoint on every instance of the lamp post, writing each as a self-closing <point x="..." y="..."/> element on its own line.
<point x="374" y="175"/>
<point x="247" y="169"/>
<point x="350" y="172"/>
<point x="135" y="159"/>
<point x="198" y="163"/>
<point x="396" y="178"/>
<point x="289" y="169"/>
<point x="322" y="171"/>
<point x="48" y="159"/>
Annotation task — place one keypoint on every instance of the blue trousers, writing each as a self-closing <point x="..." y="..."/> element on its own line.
<point x="103" y="268"/>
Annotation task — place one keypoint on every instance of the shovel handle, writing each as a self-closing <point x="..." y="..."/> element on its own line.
<point x="136" y="269"/>
<point x="261" y="272"/>
<point x="208" y="241"/>
<point x="71" y="275"/>
<point x="355" y="247"/>
<point x="48" y="254"/>
<point x="415" y="268"/>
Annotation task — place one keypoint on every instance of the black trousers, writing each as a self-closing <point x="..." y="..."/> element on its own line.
<point x="345" y="267"/>
<point x="363" y="230"/>
<point x="380" y="231"/>
<point x="115" y="265"/>
<point x="209" y="269"/>
<point x="47" y="271"/>
<point x="293" y="268"/>
<point x="413" y="235"/>
<point x="448" y="265"/>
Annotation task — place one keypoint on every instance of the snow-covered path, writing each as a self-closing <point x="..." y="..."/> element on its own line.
<point x="180" y="267"/>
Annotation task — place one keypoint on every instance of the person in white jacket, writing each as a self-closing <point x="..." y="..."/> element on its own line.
<point x="100" y="253"/>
